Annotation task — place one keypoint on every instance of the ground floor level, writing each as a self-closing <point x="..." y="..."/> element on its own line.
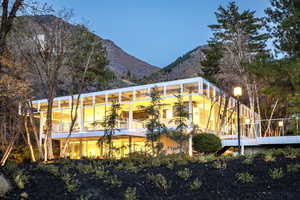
<point x="96" y="147"/>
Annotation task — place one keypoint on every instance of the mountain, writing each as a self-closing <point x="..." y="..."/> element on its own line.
<point x="185" y="66"/>
<point x="124" y="65"/>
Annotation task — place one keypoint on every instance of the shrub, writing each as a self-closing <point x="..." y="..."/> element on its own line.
<point x="195" y="184"/>
<point x="113" y="180"/>
<point x="290" y="153"/>
<point x="4" y="186"/>
<point x="130" y="194"/>
<point x="268" y="157"/>
<point x="276" y="173"/>
<point x="219" y="164"/>
<point x="128" y="166"/>
<point x="206" y="143"/>
<point x="248" y="160"/>
<point x="49" y="168"/>
<point x="184" y="174"/>
<point x="20" y="179"/>
<point x="100" y="172"/>
<point x="159" y="181"/>
<point x="244" y="177"/>
<point x="71" y="182"/>
<point x="293" y="168"/>
<point x="85" y="168"/>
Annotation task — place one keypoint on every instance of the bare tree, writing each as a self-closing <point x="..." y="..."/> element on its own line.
<point x="44" y="47"/>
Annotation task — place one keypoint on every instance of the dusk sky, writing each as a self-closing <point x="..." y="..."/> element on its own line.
<point x="156" y="31"/>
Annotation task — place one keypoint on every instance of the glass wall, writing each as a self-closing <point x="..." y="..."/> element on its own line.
<point x="92" y="148"/>
<point x="206" y="108"/>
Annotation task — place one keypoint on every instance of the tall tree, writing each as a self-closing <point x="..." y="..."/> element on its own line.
<point x="154" y="127"/>
<point x="237" y="41"/>
<point x="85" y="68"/>
<point x="180" y="134"/>
<point x="110" y="124"/>
<point x="8" y="15"/>
<point x="283" y="19"/>
<point x="45" y="43"/>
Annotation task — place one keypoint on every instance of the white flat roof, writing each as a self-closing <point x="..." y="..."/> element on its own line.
<point x="132" y="88"/>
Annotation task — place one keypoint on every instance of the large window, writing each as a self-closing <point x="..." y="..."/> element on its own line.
<point x="205" y="89"/>
<point x="44" y="106"/>
<point x="64" y="104"/>
<point x="211" y="92"/>
<point x="160" y="90"/>
<point x="87" y="101"/>
<point x="127" y="96"/>
<point x="113" y="98"/>
<point x="100" y="99"/>
<point x="88" y="117"/>
<point x="141" y="94"/>
<point x="173" y="90"/>
<point x="190" y="88"/>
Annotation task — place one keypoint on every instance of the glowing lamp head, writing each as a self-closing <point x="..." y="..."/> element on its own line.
<point x="237" y="91"/>
<point x="247" y="121"/>
<point x="280" y="123"/>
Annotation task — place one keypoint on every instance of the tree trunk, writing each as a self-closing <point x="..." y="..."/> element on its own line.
<point x="29" y="140"/>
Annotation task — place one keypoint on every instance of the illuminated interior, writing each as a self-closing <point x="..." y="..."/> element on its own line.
<point x="204" y="102"/>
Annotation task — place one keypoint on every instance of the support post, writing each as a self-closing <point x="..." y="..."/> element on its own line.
<point x="190" y="125"/>
<point x="130" y="116"/>
<point x="130" y="144"/>
<point x="242" y="150"/>
<point x="239" y="126"/>
<point x="81" y="115"/>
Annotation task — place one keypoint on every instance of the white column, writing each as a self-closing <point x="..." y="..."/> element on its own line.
<point x="41" y="128"/>
<point x="190" y="125"/>
<point x="81" y="116"/>
<point x="242" y="149"/>
<point x="130" y="116"/>
<point x="94" y="112"/>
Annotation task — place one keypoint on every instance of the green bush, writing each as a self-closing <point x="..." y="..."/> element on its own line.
<point x="276" y="173"/>
<point x="244" y="177"/>
<point x="195" y="184"/>
<point x="206" y="143"/>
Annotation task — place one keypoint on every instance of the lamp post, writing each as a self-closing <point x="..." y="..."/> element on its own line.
<point x="280" y="124"/>
<point x="238" y="92"/>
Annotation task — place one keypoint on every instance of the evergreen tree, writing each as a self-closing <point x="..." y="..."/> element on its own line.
<point x="110" y="125"/>
<point x="284" y="24"/>
<point x="154" y="127"/>
<point x="236" y="43"/>
<point x="180" y="118"/>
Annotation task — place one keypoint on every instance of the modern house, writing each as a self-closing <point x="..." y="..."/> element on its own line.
<point x="204" y="102"/>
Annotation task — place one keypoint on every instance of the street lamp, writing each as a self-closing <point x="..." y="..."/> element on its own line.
<point x="280" y="124"/>
<point x="238" y="92"/>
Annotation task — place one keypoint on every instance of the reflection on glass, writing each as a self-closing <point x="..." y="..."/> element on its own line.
<point x="211" y="92"/>
<point x="173" y="90"/>
<point x="64" y="104"/>
<point x="127" y="96"/>
<point x="113" y="98"/>
<point x="141" y="94"/>
<point x="190" y="88"/>
<point x="44" y="106"/>
<point x="205" y="89"/>
<point x="87" y="101"/>
<point x="100" y="99"/>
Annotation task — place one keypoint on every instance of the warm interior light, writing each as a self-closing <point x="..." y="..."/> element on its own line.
<point x="237" y="91"/>
<point x="247" y="121"/>
<point x="280" y="123"/>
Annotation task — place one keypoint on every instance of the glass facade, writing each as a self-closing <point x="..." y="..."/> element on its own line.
<point x="204" y="102"/>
